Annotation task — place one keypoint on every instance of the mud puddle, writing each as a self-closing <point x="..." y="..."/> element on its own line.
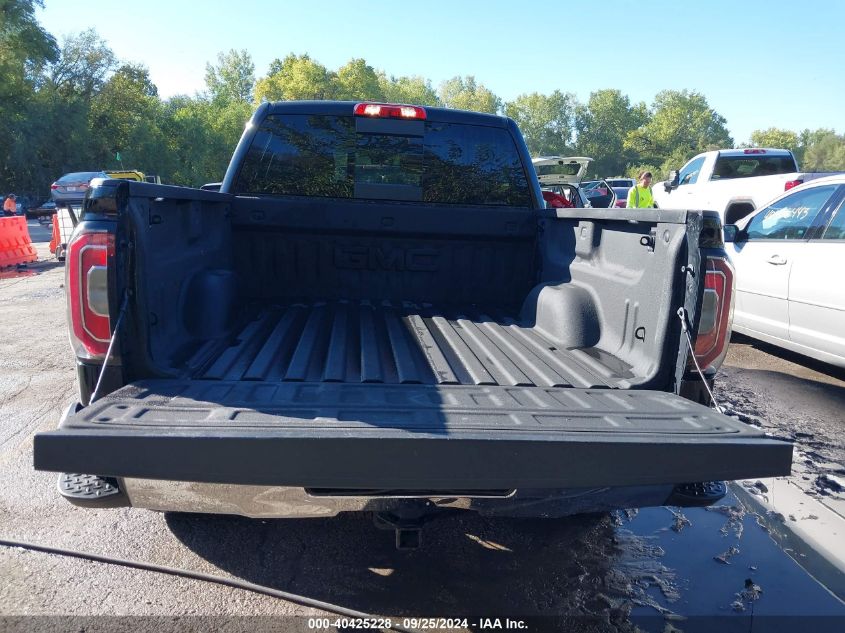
<point x="717" y="568"/>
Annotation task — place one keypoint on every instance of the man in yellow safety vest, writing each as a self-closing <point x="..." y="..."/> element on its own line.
<point x="639" y="197"/>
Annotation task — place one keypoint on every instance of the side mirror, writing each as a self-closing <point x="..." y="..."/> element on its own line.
<point x="734" y="234"/>
<point x="674" y="180"/>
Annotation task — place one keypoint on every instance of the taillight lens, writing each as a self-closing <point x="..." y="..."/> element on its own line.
<point x="714" y="326"/>
<point x="54" y="186"/>
<point x="789" y="184"/>
<point x="88" y="256"/>
<point x="390" y="111"/>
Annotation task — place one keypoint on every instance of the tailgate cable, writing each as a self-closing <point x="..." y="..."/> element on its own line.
<point x="220" y="580"/>
<point x="682" y="315"/>
<point x="123" y="305"/>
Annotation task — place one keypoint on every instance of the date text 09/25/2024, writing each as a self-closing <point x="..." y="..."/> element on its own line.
<point x="420" y="624"/>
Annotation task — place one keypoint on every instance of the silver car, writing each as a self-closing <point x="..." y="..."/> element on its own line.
<point x="71" y="188"/>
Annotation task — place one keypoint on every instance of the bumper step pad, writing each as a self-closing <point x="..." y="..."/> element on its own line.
<point x="91" y="490"/>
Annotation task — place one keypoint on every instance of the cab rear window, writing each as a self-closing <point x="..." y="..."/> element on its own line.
<point x="326" y="156"/>
<point x="747" y="166"/>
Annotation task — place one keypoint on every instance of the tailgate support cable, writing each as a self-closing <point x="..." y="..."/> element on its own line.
<point x="682" y="315"/>
<point x="123" y="305"/>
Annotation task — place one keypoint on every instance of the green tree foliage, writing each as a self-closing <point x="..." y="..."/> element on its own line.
<point x="358" y="81"/>
<point x="679" y="120"/>
<point x="25" y="50"/>
<point x="464" y="93"/>
<point x="295" y="77"/>
<point x="824" y="151"/>
<point x="546" y="121"/>
<point x="84" y="64"/>
<point x="412" y="90"/>
<point x="602" y="125"/>
<point x="126" y="115"/>
<point x="232" y="78"/>
<point x="775" y="138"/>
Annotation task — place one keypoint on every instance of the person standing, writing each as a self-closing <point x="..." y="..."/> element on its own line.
<point x="639" y="197"/>
<point x="10" y="205"/>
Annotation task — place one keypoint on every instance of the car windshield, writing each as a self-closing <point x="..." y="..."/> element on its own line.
<point x="621" y="183"/>
<point x="333" y="156"/>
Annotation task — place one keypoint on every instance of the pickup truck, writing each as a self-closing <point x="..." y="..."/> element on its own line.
<point x="733" y="182"/>
<point x="376" y="312"/>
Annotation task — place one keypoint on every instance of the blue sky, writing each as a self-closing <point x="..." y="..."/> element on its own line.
<point x="760" y="64"/>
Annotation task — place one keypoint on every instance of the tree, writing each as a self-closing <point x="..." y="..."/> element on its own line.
<point x="295" y="77"/>
<point x="824" y="151"/>
<point x="232" y="78"/>
<point x="546" y="121"/>
<point x="84" y="63"/>
<point x="463" y="93"/>
<point x="775" y="138"/>
<point x="125" y="119"/>
<point x="357" y="81"/>
<point x="679" y="121"/>
<point x="602" y="125"/>
<point x="25" y="49"/>
<point x="411" y="90"/>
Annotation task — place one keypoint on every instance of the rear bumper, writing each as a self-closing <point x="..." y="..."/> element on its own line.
<point x="284" y="502"/>
<point x="408" y="437"/>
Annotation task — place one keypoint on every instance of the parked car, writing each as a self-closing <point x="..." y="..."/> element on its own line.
<point x="733" y="182"/>
<point x="563" y="175"/>
<point x="621" y="187"/>
<point x="71" y="188"/>
<point x="345" y="326"/>
<point x="44" y="209"/>
<point x="789" y="258"/>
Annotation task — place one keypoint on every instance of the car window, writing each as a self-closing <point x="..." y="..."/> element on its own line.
<point x="790" y="217"/>
<point x="326" y="156"/>
<point x="689" y="174"/>
<point x="752" y="165"/>
<point x="80" y="176"/>
<point x="836" y="229"/>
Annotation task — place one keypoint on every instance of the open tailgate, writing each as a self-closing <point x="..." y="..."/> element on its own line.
<point x="425" y="437"/>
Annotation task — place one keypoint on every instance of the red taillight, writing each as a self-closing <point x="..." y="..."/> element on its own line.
<point x="714" y="326"/>
<point x="54" y="186"/>
<point x="88" y="258"/>
<point x="755" y="151"/>
<point x="789" y="184"/>
<point x="390" y="111"/>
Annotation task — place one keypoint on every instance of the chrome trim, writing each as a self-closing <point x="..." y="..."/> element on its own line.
<point x="268" y="501"/>
<point x="279" y="502"/>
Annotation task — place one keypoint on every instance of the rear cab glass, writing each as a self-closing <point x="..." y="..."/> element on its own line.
<point x="336" y="156"/>
<point x="752" y="165"/>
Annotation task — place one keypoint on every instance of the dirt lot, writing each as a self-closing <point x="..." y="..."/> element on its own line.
<point x="657" y="563"/>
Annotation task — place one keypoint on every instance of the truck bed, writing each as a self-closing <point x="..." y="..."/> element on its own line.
<point x="394" y="343"/>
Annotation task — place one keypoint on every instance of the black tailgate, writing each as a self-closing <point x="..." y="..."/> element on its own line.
<point x="405" y="436"/>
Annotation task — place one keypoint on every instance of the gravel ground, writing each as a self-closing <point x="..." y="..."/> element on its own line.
<point x="660" y="564"/>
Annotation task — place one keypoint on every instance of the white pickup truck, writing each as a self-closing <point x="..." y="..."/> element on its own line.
<point x="733" y="182"/>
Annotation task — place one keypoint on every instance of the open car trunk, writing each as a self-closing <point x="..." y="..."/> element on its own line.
<point x="291" y="343"/>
